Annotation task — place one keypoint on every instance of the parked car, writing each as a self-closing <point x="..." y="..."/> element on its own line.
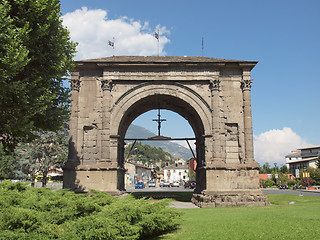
<point x="139" y="185"/>
<point x="298" y="187"/>
<point x="152" y="184"/>
<point x="190" y="184"/>
<point x="283" y="186"/>
<point x="166" y="184"/>
<point x="161" y="183"/>
<point x="175" y="184"/>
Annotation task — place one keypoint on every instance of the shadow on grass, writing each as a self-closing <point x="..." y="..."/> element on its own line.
<point x="178" y="196"/>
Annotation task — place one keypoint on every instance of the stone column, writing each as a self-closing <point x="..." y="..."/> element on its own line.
<point x="73" y="124"/>
<point x="106" y="85"/>
<point x="247" y="119"/>
<point x="216" y="122"/>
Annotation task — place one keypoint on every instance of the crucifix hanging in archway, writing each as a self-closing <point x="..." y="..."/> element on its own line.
<point x="159" y="120"/>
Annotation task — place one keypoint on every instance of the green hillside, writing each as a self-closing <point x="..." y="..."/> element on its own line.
<point x="176" y="150"/>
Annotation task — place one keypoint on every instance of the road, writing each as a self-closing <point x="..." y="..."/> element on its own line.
<point x="57" y="186"/>
<point x="289" y="191"/>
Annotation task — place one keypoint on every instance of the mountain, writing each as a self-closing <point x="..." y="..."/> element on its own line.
<point x="176" y="150"/>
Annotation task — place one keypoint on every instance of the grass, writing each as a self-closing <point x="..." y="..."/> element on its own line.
<point x="280" y="220"/>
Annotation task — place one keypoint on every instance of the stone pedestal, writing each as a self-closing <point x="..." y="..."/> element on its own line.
<point x="109" y="180"/>
<point x="230" y="199"/>
<point x="229" y="187"/>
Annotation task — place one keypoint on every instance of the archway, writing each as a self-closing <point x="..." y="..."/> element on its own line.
<point x="167" y="102"/>
<point x="214" y="95"/>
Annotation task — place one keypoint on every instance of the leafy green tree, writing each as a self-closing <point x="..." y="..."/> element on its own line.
<point x="35" y="57"/>
<point x="7" y="164"/>
<point x="146" y="153"/>
<point x="314" y="175"/>
<point x="191" y="174"/>
<point x="265" y="168"/>
<point x="284" y="169"/>
<point x="318" y="161"/>
<point x="26" y="166"/>
<point x="49" y="151"/>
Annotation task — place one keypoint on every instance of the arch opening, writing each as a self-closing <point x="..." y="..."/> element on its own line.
<point x="164" y="102"/>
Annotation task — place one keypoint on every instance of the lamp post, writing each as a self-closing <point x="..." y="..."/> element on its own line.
<point x="276" y="176"/>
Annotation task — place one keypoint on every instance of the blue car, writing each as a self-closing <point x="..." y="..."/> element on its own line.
<point x="139" y="185"/>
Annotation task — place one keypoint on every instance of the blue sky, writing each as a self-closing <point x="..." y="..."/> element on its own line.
<point x="284" y="36"/>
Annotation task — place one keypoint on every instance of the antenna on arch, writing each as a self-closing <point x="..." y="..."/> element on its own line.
<point x="157" y="36"/>
<point x="202" y="45"/>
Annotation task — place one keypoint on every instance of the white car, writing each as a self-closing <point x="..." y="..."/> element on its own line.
<point x="175" y="184"/>
<point x="152" y="184"/>
<point x="166" y="184"/>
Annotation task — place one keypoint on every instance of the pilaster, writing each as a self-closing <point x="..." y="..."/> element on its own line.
<point x="106" y="86"/>
<point x="247" y="118"/>
<point x="73" y="123"/>
<point x="217" y="158"/>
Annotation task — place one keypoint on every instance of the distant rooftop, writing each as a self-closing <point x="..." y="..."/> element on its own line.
<point x="313" y="147"/>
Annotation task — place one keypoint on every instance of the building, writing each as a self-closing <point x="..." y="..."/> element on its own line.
<point x="137" y="172"/>
<point x="176" y="172"/>
<point x="302" y="158"/>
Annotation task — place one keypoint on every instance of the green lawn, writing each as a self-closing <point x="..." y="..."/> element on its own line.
<point x="280" y="220"/>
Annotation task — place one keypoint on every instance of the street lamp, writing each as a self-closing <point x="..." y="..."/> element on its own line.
<point x="276" y="176"/>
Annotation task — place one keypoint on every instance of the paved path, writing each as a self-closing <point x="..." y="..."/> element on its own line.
<point x="183" y="205"/>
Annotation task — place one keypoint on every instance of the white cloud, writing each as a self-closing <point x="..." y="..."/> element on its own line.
<point x="92" y="30"/>
<point x="272" y="146"/>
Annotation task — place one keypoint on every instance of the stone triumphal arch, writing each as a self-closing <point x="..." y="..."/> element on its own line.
<point x="212" y="94"/>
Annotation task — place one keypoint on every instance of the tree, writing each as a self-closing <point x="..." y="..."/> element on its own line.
<point x="314" y="175"/>
<point x="50" y="150"/>
<point x="191" y="174"/>
<point x="318" y="161"/>
<point x="35" y="57"/>
<point x="284" y="169"/>
<point x="265" y="168"/>
<point x="145" y="153"/>
<point x="7" y="164"/>
<point x="26" y="167"/>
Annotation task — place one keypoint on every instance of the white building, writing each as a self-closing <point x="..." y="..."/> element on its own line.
<point x="176" y="172"/>
<point x="302" y="158"/>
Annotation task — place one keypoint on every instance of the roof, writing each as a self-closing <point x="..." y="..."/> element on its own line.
<point x="294" y="154"/>
<point x="137" y="165"/>
<point x="163" y="59"/>
<point x="313" y="147"/>
<point x="173" y="166"/>
<point x="302" y="160"/>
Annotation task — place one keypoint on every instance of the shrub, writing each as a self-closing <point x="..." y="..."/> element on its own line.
<point x="269" y="183"/>
<point x="40" y="213"/>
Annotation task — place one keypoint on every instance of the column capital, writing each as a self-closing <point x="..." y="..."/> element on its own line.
<point x="75" y="82"/>
<point x="106" y="84"/>
<point x="246" y="84"/>
<point x="214" y="84"/>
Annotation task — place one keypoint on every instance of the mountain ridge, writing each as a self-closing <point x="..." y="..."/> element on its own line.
<point x="175" y="149"/>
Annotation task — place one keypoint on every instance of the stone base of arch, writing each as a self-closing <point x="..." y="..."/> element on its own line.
<point x="230" y="199"/>
<point x="85" y="179"/>
<point x="228" y="187"/>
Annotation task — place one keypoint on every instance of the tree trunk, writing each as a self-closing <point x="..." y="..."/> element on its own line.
<point x="44" y="179"/>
